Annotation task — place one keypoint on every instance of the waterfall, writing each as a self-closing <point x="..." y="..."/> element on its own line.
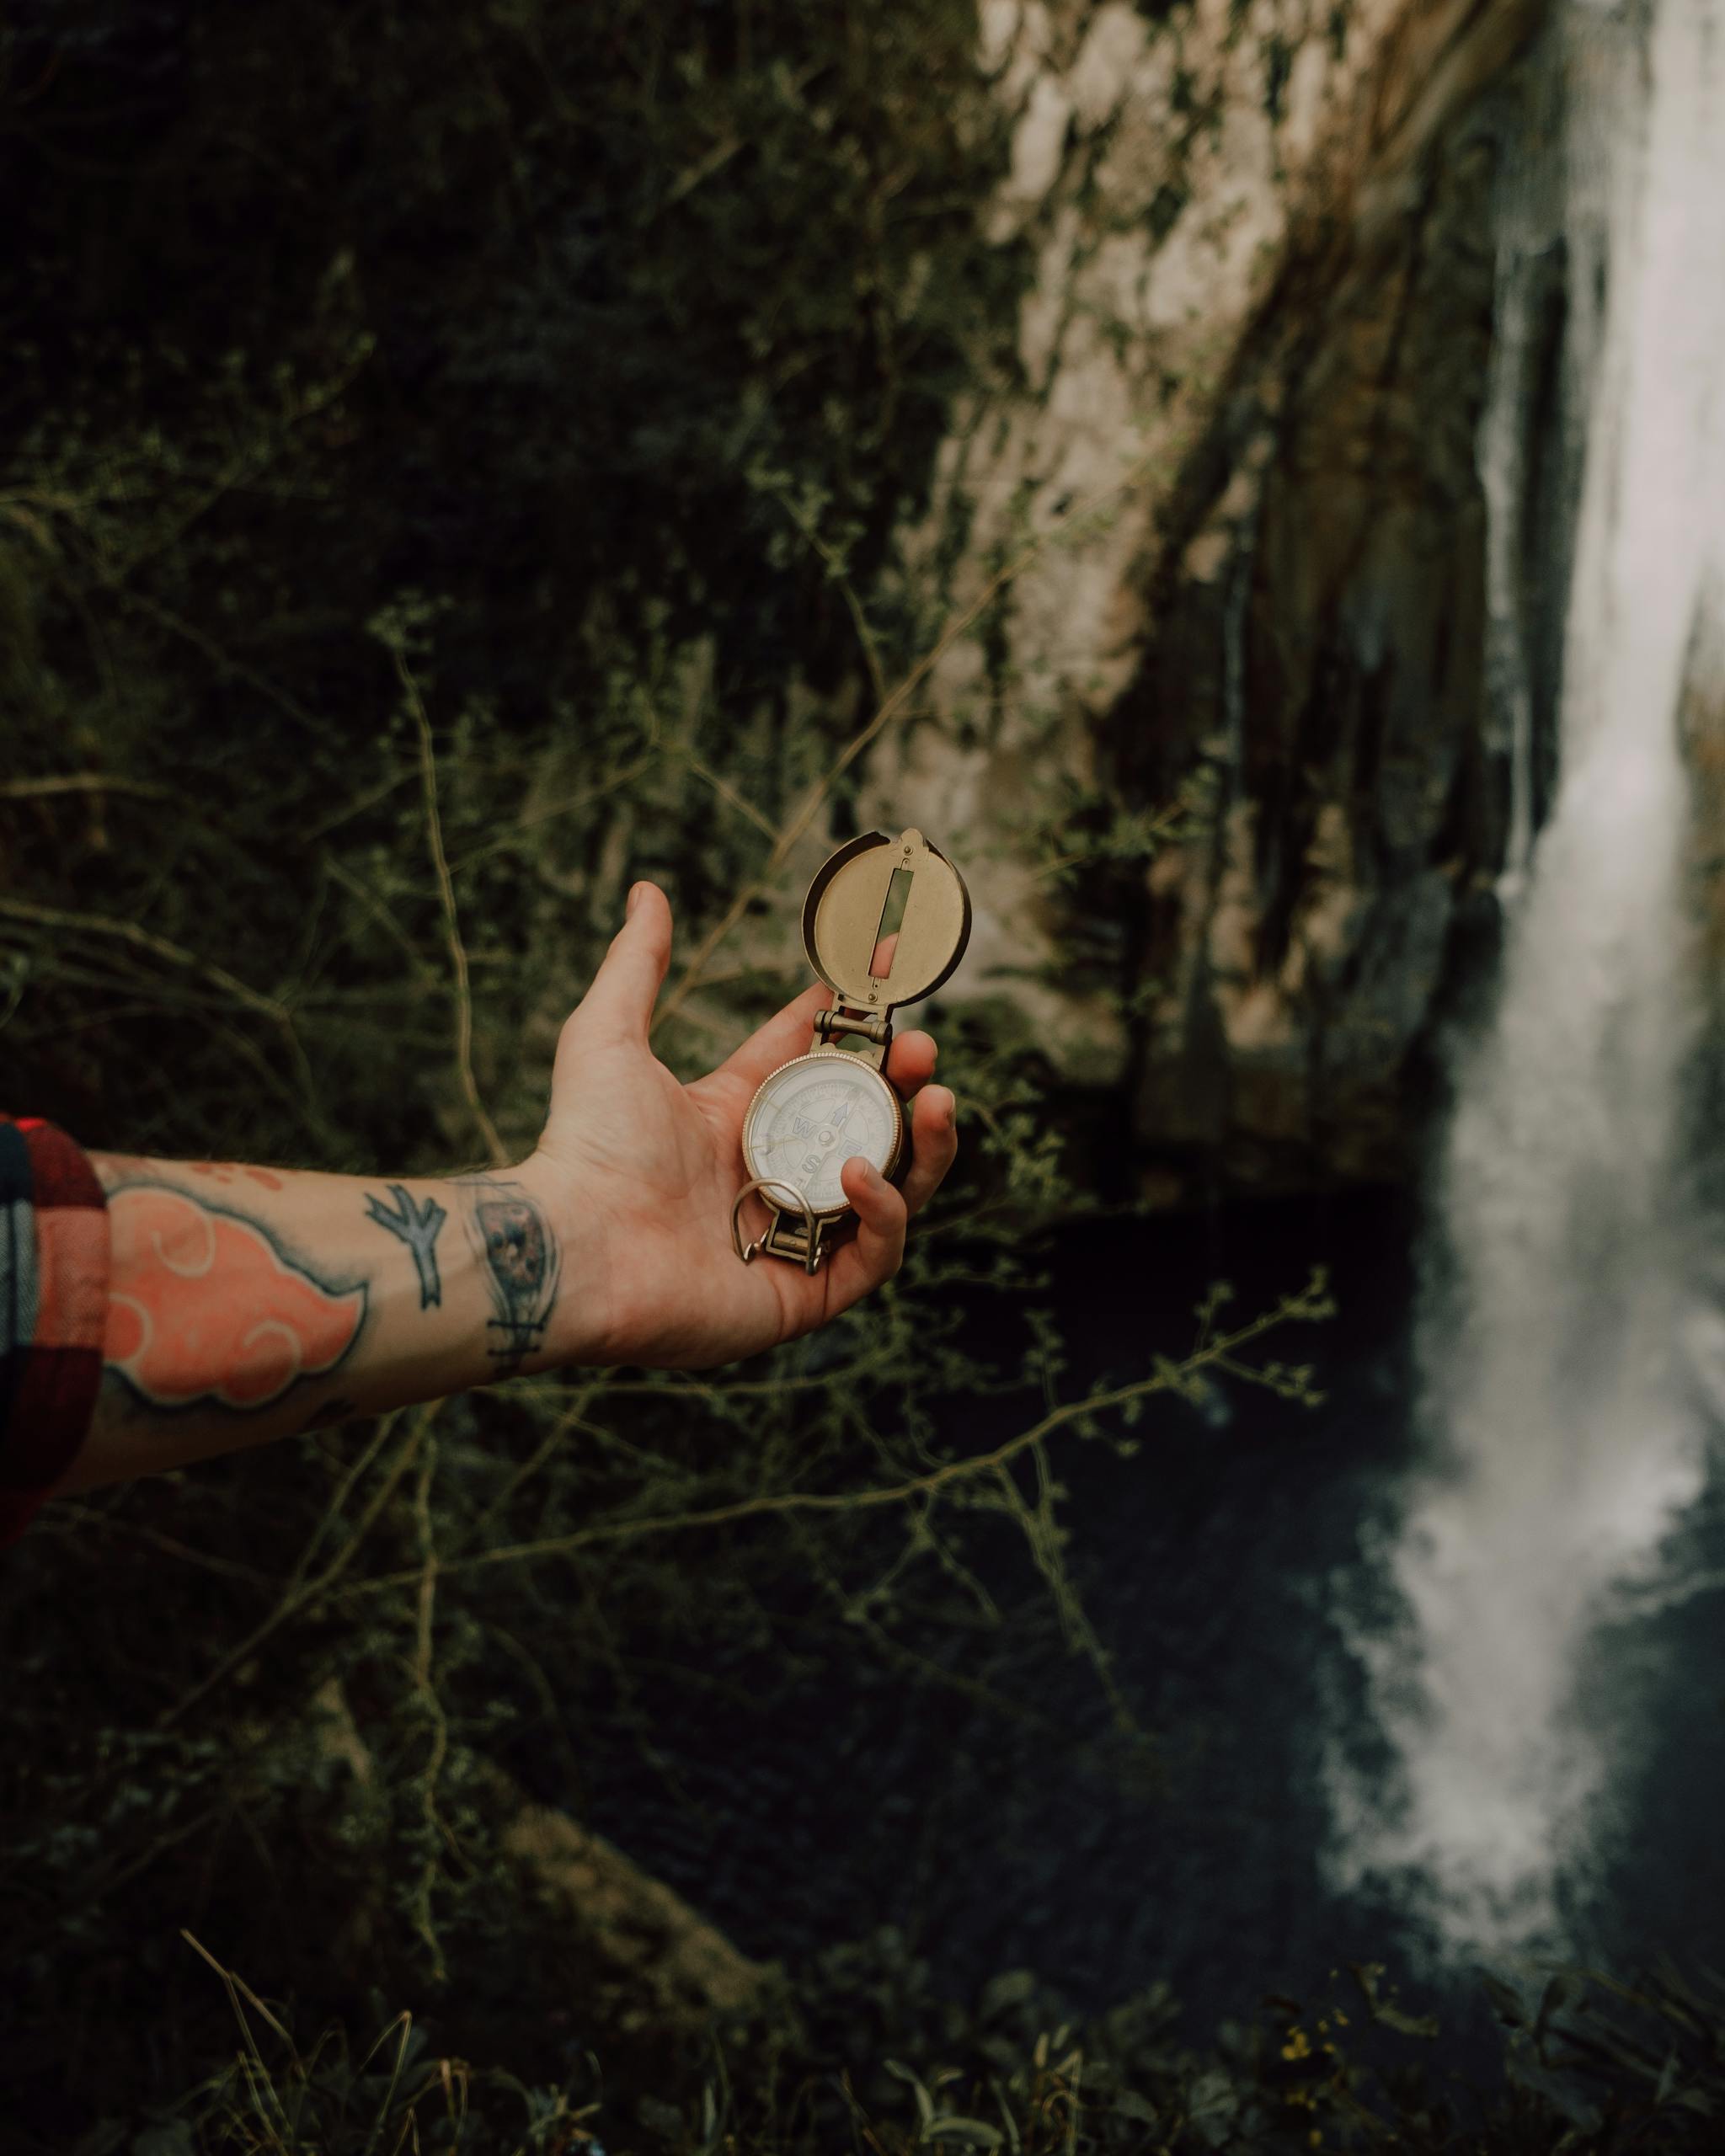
<point x="1563" y="1442"/>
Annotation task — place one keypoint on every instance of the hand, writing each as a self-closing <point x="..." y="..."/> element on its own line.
<point x="638" y="1174"/>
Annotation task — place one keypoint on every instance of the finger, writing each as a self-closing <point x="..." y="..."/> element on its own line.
<point x="786" y="1033"/>
<point x="934" y="1145"/>
<point x="620" y="999"/>
<point x="881" y="963"/>
<point x="910" y="1061"/>
<point x="877" y="1249"/>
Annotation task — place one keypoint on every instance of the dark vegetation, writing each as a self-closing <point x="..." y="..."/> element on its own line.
<point x="482" y="430"/>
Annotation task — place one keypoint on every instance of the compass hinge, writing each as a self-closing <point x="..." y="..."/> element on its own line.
<point x="830" y="1025"/>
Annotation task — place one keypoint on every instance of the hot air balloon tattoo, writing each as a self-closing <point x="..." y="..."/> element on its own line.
<point x="521" y="1262"/>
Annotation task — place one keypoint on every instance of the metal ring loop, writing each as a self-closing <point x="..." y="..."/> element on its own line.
<point x="747" y="1251"/>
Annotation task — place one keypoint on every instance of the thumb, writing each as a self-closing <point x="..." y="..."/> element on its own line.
<point x="878" y="1250"/>
<point x="620" y="999"/>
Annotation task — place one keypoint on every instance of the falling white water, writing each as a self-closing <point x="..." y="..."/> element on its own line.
<point x="1530" y="208"/>
<point x="1548" y="1321"/>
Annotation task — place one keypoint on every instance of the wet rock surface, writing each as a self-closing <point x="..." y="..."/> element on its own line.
<point x="1231" y="794"/>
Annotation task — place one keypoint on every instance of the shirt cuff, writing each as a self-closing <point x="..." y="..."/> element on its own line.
<point x="53" y="1311"/>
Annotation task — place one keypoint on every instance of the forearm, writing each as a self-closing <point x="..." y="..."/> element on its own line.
<point x="247" y="1304"/>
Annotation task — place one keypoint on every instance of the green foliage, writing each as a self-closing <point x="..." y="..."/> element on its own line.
<point x="866" y="2056"/>
<point x="455" y="458"/>
<point x="456" y="453"/>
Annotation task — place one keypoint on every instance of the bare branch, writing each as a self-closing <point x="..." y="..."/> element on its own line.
<point x="892" y="708"/>
<point x="145" y="939"/>
<point x="457" y="950"/>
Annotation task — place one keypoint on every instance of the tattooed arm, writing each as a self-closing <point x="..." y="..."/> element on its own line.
<point x="249" y="1303"/>
<point x="246" y="1304"/>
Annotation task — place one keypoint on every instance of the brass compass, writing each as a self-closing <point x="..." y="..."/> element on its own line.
<point x="885" y="922"/>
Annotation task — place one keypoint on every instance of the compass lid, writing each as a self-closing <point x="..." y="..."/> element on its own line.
<point x="856" y="906"/>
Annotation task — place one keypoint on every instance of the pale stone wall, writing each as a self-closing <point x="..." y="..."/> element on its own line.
<point x="1257" y="331"/>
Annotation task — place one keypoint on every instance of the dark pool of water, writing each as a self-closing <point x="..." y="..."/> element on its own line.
<point x="1028" y="1833"/>
<point x="996" y="1839"/>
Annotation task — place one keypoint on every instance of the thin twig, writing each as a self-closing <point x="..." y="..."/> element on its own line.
<point x="218" y="654"/>
<point x="351" y="1477"/>
<point x="69" y="1517"/>
<point x="548" y="812"/>
<point x="835" y="569"/>
<point x="300" y="1100"/>
<point x="145" y="939"/>
<point x="457" y="950"/>
<point x="356" y="887"/>
<point x="726" y="791"/>
<point x="427" y="1691"/>
<point x="552" y="1442"/>
<point x="1308" y="1304"/>
<point x="1164" y="825"/>
<point x="37" y="789"/>
<point x="301" y="1593"/>
<point x="357" y="805"/>
<point x="892" y="707"/>
<point x="243" y="466"/>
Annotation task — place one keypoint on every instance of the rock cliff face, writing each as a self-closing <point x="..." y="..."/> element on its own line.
<point x="1221" y="766"/>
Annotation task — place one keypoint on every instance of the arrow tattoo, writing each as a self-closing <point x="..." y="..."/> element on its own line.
<point x="417" y="1226"/>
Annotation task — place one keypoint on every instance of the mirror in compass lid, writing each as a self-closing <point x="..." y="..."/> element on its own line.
<point x="886" y="921"/>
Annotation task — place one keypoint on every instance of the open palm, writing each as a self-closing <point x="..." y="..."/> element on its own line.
<point x="641" y="1172"/>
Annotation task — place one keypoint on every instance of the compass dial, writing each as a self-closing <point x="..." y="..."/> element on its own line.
<point x="812" y="1115"/>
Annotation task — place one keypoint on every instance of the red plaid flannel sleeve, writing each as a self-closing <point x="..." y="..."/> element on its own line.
<point x="53" y="1310"/>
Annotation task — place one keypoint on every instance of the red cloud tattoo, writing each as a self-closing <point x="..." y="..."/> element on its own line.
<point x="204" y="1306"/>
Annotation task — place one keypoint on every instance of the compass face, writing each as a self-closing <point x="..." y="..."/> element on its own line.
<point x="812" y="1115"/>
